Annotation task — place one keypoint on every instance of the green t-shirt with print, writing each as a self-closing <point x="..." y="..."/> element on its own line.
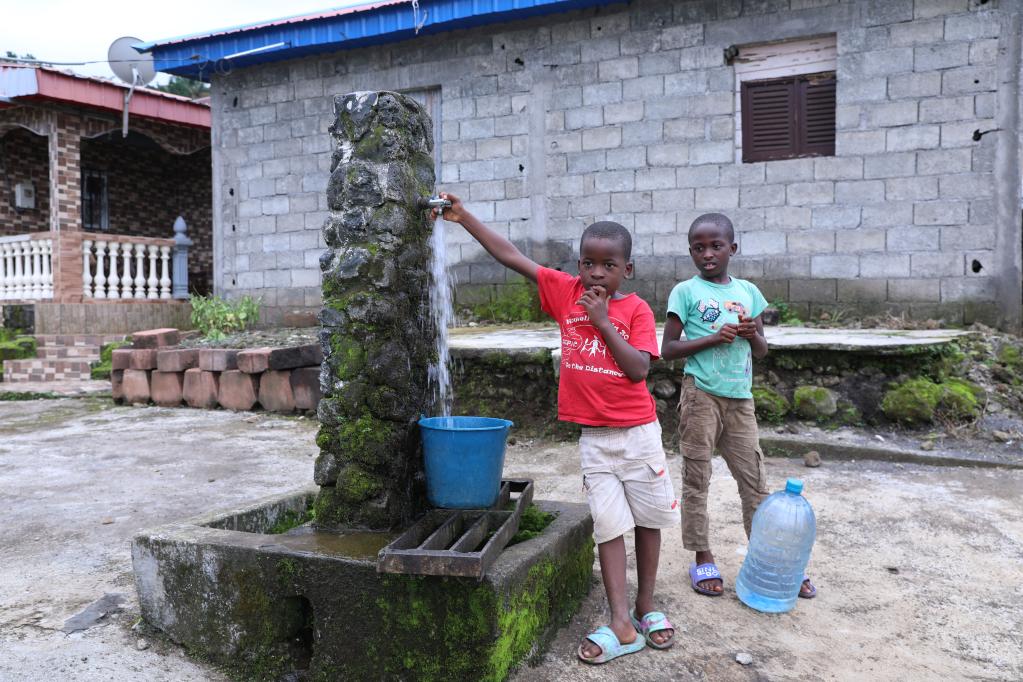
<point x="724" y="370"/>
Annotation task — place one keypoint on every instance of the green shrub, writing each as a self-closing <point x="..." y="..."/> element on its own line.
<point x="101" y="370"/>
<point x="518" y="302"/>
<point x="215" y="318"/>
<point x="16" y="348"/>
<point x="785" y="313"/>
<point x="771" y="406"/>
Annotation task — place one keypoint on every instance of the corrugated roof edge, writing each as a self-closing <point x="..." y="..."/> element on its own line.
<point x="293" y="19"/>
<point x="200" y="57"/>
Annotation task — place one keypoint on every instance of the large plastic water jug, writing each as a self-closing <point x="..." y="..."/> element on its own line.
<point x="782" y="536"/>
<point x="463" y="458"/>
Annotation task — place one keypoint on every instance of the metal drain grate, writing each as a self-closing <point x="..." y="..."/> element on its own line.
<point x="455" y="542"/>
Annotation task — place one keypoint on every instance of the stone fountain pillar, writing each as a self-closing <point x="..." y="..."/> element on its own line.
<point x="376" y="334"/>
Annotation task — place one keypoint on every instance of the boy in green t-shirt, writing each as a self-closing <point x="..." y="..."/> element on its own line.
<point x="724" y="332"/>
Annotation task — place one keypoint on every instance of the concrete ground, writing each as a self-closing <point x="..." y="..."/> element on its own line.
<point x="918" y="566"/>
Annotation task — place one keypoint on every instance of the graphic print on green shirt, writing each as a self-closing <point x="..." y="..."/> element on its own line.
<point x="725" y="370"/>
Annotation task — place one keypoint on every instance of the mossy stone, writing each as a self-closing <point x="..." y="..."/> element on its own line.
<point x="912" y="402"/>
<point x="960" y="399"/>
<point x="814" y="402"/>
<point x="770" y="405"/>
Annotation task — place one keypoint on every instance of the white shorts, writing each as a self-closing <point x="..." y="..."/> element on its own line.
<point x="625" y="475"/>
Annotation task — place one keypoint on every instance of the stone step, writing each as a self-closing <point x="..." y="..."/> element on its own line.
<point x="90" y="353"/>
<point x="46" y="369"/>
<point x="77" y="339"/>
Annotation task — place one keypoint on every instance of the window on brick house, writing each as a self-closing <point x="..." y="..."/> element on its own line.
<point x="788" y="118"/>
<point x="95" y="215"/>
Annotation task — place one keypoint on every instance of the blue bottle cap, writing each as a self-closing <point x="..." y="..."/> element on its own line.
<point x="794" y="486"/>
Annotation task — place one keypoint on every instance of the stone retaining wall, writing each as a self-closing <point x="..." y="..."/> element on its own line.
<point x="156" y="370"/>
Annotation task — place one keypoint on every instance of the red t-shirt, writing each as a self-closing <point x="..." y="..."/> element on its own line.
<point x="592" y="390"/>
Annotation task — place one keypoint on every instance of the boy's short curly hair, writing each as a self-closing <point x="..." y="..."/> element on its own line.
<point x="718" y="219"/>
<point x="606" y="229"/>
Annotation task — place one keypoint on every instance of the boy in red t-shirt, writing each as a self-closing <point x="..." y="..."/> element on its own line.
<point x="607" y="340"/>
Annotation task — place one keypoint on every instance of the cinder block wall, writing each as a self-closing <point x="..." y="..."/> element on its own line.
<point x="628" y="113"/>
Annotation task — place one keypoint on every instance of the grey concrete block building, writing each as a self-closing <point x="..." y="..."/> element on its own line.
<point x="576" y="111"/>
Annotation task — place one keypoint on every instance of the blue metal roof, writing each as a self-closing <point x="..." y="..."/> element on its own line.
<point x="201" y="55"/>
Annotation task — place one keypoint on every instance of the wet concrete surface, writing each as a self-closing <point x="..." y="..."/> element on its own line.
<point x="918" y="566"/>
<point x="78" y="478"/>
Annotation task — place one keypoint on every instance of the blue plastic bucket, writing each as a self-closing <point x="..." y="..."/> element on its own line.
<point x="464" y="459"/>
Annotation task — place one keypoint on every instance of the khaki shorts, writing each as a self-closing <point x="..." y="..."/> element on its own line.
<point x="625" y="475"/>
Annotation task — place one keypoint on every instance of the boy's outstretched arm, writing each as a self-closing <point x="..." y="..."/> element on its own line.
<point x="497" y="246"/>
<point x="673" y="348"/>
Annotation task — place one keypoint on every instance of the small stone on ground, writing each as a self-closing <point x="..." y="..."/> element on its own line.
<point x="743" y="658"/>
<point x="812" y="459"/>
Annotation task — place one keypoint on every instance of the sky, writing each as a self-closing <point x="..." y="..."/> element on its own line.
<point x="80" y="30"/>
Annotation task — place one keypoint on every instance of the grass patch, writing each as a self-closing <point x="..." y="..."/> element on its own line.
<point x="10" y="396"/>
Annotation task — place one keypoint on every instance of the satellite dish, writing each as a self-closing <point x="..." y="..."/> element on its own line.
<point x="128" y="64"/>
<point x="132" y="67"/>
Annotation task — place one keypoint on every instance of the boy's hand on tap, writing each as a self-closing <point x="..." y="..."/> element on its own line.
<point x="454" y="213"/>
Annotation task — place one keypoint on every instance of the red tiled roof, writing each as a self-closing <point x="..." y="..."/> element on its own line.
<point x="23" y="82"/>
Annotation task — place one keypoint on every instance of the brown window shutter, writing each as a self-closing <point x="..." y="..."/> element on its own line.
<point x="788" y="118"/>
<point x="817" y="97"/>
<point x="768" y="120"/>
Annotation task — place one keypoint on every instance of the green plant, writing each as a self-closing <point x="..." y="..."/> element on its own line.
<point x="215" y="318"/>
<point x="517" y="302"/>
<point x="785" y="313"/>
<point x="101" y="370"/>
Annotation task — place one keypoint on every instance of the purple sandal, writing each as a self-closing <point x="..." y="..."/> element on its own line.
<point x="813" y="589"/>
<point x="704" y="572"/>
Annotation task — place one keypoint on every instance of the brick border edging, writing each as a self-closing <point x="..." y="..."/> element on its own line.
<point x="155" y="370"/>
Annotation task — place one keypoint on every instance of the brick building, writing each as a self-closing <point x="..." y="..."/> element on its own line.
<point x="868" y="151"/>
<point x="86" y="213"/>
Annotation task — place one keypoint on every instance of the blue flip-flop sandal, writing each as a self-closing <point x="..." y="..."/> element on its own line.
<point x="610" y="647"/>
<point x="655" y="621"/>
<point x="704" y="572"/>
<point x="813" y="590"/>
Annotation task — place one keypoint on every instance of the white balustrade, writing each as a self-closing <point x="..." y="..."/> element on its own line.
<point x="165" y="282"/>
<point x="140" y="279"/>
<point x="86" y="268"/>
<point x="123" y="269"/>
<point x="113" y="280"/>
<point x="101" y="276"/>
<point x="26" y="272"/>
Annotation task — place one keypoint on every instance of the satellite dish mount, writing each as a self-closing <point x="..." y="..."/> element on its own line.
<point x="131" y="66"/>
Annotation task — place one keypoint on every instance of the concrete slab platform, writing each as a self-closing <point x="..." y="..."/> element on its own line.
<point x="270" y="604"/>
<point x="787" y="338"/>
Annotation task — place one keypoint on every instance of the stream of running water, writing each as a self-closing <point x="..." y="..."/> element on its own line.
<point x="443" y="313"/>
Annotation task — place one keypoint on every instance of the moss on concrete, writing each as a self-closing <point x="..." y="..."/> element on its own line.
<point x="771" y="406"/>
<point x="482" y="635"/>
